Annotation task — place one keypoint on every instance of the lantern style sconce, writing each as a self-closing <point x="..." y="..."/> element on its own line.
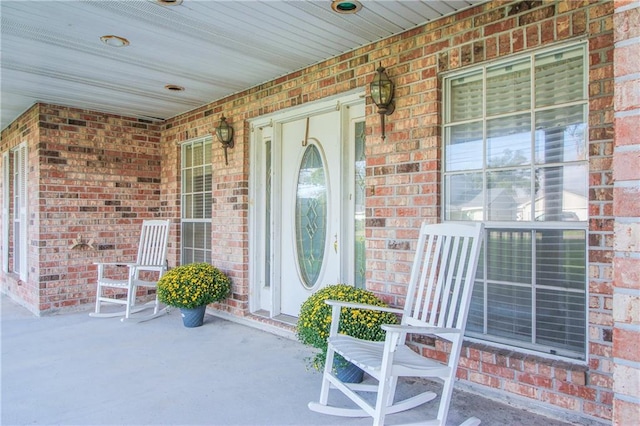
<point x="381" y="90"/>
<point x="225" y="136"/>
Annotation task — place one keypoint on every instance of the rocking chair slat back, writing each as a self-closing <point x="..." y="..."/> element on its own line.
<point x="441" y="280"/>
<point x="153" y="243"/>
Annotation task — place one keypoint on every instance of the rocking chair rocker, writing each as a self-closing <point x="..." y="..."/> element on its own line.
<point x="437" y="304"/>
<point x="150" y="265"/>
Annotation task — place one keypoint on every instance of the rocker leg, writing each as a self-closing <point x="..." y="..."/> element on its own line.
<point x="443" y="409"/>
<point x="328" y="366"/>
<point x="392" y="391"/>
<point x="384" y="389"/>
<point x="131" y="300"/>
<point x="98" y="303"/>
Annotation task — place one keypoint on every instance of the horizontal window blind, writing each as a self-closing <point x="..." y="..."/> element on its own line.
<point x="196" y="197"/>
<point x="559" y="77"/>
<point x="468" y="92"/>
<point x="509" y="88"/>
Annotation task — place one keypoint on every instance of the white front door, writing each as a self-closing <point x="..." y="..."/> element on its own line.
<point x="311" y="206"/>
<point x="304" y="219"/>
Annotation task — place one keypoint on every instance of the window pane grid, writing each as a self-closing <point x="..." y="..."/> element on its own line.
<point x="514" y="302"/>
<point x="197" y="201"/>
<point x="508" y="88"/>
<point x="524" y="168"/>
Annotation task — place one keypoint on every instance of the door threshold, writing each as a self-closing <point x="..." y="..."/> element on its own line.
<point x="286" y="319"/>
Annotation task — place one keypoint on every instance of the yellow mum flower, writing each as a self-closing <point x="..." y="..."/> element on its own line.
<point x="193" y="285"/>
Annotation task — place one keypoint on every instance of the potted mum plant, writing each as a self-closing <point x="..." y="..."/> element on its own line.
<point x="315" y="320"/>
<point x="191" y="288"/>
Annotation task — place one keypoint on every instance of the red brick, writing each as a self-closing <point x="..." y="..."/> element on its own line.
<point x="626" y="272"/>
<point x="500" y="27"/>
<point x="578" y="377"/>
<point x="496" y="370"/>
<point x="625" y="413"/>
<point x="627" y="60"/>
<point x="601" y="380"/>
<point x="627" y="95"/>
<point x="582" y="392"/>
<point x="627" y="129"/>
<point x="626" y="165"/>
<point x="532" y="36"/>
<point x="579" y="23"/>
<point x="535" y="380"/>
<point x="522" y="389"/>
<point x="597" y="410"/>
<point x="483" y="379"/>
<point x="564" y="401"/>
<point x="626" y="201"/>
<point x="625" y="344"/>
<point x="563" y="26"/>
<point x="626" y="23"/>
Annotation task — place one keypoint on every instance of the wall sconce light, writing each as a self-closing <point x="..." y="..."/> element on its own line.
<point x="381" y="90"/>
<point x="225" y="136"/>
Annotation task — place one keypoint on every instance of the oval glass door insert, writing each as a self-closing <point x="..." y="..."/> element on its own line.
<point x="311" y="215"/>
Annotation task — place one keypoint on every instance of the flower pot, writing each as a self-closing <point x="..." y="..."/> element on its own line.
<point x="348" y="372"/>
<point x="193" y="317"/>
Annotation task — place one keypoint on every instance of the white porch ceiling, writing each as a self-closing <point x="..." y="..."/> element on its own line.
<point x="51" y="50"/>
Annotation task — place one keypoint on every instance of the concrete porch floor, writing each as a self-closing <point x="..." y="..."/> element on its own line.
<point x="70" y="369"/>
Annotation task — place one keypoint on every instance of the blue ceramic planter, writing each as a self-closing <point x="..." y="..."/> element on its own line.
<point x="193" y="317"/>
<point x="347" y="372"/>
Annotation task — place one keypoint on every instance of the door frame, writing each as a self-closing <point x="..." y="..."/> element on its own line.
<point x="265" y="128"/>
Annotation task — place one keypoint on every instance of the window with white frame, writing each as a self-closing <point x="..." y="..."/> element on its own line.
<point x="196" y="199"/>
<point x="515" y="157"/>
<point x="14" y="211"/>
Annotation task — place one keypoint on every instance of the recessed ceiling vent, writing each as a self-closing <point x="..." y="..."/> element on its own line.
<point x="174" y="88"/>
<point x="168" y="2"/>
<point x="346" y="7"/>
<point x="114" y="41"/>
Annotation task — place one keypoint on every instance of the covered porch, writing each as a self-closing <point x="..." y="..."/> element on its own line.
<point x="74" y="370"/>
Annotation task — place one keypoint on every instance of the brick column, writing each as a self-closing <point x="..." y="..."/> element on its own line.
<point x="626" y="209"/>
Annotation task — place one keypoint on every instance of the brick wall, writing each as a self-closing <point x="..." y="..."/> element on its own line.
<point x="93" y="178"/>
<point x="626" y="209"/>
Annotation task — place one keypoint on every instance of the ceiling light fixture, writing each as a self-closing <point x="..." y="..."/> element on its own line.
<point x="174" y="88"/>
<point x="114" y="41"/>
<point x="346" y="7"/>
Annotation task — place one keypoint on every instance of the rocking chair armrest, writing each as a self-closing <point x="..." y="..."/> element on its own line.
<point x="353" y="305"/>
<point x="412" y="329"/>
<point x="132" y="267"/>
<point x="129" y="264"/>
<point x="144" y="265"/>
<point x="115" y="263"/>
<point x="336" y="310"/>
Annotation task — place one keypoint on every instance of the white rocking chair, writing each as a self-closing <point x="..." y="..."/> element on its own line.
<point x="150" y="265"/>
<point x="437" y="304"/>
